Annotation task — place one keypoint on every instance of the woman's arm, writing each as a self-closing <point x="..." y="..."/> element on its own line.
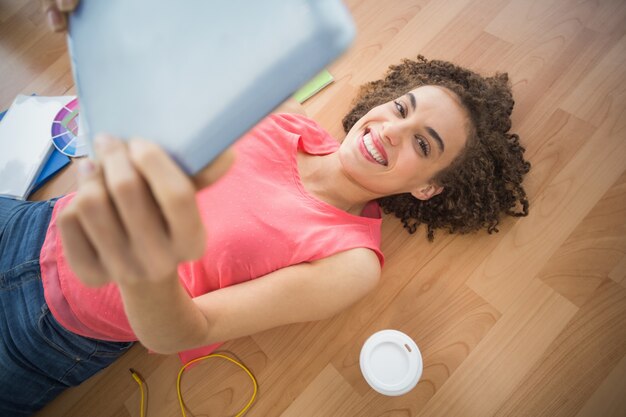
<point x="300" y="293"/>
<point x="135" y="218"/>
<point x="166" y="320"/>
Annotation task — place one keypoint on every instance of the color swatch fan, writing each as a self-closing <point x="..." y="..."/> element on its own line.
<point x="65" y="131"/>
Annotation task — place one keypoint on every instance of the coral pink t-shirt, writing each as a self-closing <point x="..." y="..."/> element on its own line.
<point x="258" y="217"/>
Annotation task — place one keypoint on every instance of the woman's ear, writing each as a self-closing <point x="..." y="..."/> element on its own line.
<point x="427" y="192"/>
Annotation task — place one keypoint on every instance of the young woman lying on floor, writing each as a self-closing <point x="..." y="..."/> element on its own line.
<point x="289" y="233"/>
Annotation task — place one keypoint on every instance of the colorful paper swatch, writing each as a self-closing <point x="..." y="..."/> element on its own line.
<point x="64" y="131"/>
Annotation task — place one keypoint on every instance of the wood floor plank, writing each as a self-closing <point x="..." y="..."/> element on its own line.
<point x="538" y="62"/>
<point x="576" y="188"/>
<point x="608" y="400"/>
<point x="609" y="17"/>
<point x="461" y="33"/>
<point x="602" y="90"/>
<point x="589" y="49"/>
<point x="328" y="395"/>
<point x="572" y="367"/>
<point x="378" y="24"/>
<point x="523" y="19"/>
<point x="411" y="40"/>
<point x="57" y="80"/>
<point x="594" y="248"/>
<point x="27" y="49"/>
<point x="618" y="274"/>
<point x="484" y="54"/>
<point x="9" y="8"/>
<point x="504" y="356"/>
<point x="554" y="144"/>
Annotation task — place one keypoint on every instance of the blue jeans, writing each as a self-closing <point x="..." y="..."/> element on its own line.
<point x="38" y="357"/>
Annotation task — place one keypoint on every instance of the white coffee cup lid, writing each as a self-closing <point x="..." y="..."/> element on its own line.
<point x="391" y="362"/>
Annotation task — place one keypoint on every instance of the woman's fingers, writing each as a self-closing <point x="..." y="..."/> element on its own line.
<point x="139" y="213"/>
<point x="79" y="251"/>
<point x="175" y="194"/>
<point x="66" y="5"/>
<point x="101" y="224"/>
<point x="57" y="21"/>
<point x="134" y="216"/>
<point x="56" y="12"/>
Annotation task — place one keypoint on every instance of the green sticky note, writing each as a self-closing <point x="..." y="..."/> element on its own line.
<point x="311" y="88"/>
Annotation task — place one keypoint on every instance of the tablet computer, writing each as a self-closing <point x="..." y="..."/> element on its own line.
<point x="194" y="76"/>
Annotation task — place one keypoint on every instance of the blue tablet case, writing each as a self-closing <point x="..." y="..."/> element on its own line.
<point x="194" y="76"/>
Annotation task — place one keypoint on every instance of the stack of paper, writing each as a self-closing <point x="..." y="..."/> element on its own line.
<point x="25" y="143"/>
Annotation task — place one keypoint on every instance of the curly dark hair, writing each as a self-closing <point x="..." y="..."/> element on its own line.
<point x="485" y="179"/>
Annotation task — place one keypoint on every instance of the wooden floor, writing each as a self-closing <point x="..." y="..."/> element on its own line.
<point x="528" y="322"/>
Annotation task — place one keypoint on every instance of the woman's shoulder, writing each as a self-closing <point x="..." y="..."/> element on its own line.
<point x="364" y="263"/>
<point x="313" y="138"/>
<point x="296" y="123"/>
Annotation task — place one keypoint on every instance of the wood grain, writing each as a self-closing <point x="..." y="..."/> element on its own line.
<point x="530" y="321"/>
<point x="577" y="361"/>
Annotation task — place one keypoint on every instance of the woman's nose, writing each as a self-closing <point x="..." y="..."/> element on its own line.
<point x="392" y="133"/>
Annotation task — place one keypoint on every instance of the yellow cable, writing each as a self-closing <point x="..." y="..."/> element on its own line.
<point x="215" y="355"/>
<point x="137" y="378"/>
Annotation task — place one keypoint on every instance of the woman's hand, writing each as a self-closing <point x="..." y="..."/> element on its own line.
<point x="56" y="12"/>
<point x="134" y="217"/>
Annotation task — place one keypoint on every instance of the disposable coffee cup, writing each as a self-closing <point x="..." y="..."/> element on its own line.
<point x="391" y="362"/>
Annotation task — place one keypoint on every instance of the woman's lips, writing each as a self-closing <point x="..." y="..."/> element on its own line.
<point x="377" y="143"/>
<point x="368" y="148"/>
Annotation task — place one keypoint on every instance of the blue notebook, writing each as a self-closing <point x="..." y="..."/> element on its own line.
<point x="55" y="162"/>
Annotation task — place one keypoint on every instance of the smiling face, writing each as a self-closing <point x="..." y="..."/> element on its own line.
<point x="399" y="146"/>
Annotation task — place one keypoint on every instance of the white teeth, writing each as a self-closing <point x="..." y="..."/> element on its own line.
<point x="369" y="145"/>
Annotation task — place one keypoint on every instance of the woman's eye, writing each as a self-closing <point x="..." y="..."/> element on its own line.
<point x="423" y="144"/>
<point x="400" y="108"/>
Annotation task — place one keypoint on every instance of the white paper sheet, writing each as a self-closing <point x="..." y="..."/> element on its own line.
<point x="25" y="142"/>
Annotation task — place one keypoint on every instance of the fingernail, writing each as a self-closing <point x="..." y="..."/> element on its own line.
<point x="66" y="5"/>
<point x="55" y="20"/>
<point x="85" y="167"/>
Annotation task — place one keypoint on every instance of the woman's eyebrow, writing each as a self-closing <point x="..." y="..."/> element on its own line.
<point x="412" y="100"/>
<point x="435" y="136"/>
<point x="429" y="129"/>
